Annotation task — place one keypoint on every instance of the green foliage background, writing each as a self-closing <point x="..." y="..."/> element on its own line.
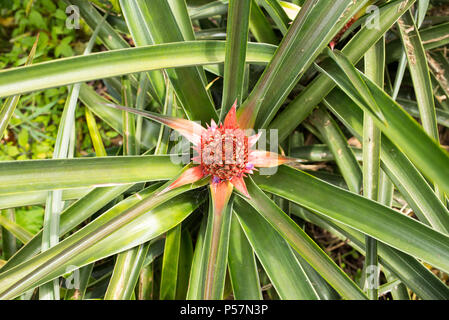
<point x="33" y="129"/>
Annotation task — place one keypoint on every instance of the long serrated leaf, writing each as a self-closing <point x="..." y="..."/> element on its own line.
<point x="184" y="266"/>
<point x="301" y="242"/>
<point x="337" y="142"/>
<point x="375" y="70"/>
<point x="275" y="255"/>
<point x="130" y="223"/>
<point x="9" y="241"/>
<point x="70" y="218"/>
<point x="419" y="71"/>
<point x="236" y="44"/>
<point x="259" y="25"/>
<point x="275" y="11"/>
<point x="426" y="154"/>
<point x="62" y="150"/>
<point x="353" y="78"/>
<point x="170" y="262"/>
<point x="412" y="272"/>
<point x="38" y="175"/>
<point x="242" y="265"/>
<point x="401" y="171"/>
<point x="286" y="67"/>
<point x="135" y="19"/>
<point x="126" y="273"/>
<point x="187" y="82"/>
<point x="19" y="232"/>
<point x="126" y="61"/>
<point x="371" y="218"/>
<point x="309" y="98"/>
<point x="32" y="198"/>
<point x="196" y="280"/>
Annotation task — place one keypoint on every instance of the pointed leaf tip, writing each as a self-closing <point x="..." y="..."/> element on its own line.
<point x="231" y="118"/>
<point x="191" y="130"/>
<point x="240" y="185"/>
<point x="267" y="159"/>
<point x="189" y="176"/>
